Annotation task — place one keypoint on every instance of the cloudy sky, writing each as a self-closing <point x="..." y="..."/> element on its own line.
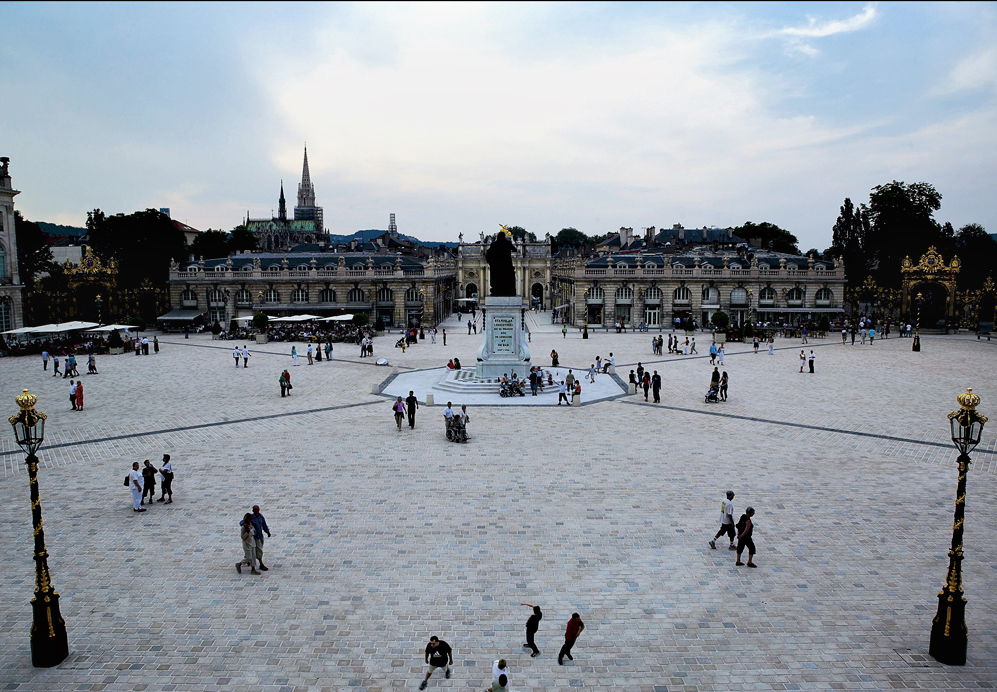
<point x="461" y="117"/>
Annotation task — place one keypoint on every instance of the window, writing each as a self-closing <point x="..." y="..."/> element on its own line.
<point x="216" y="297"/>
<point x="327" y="295"/>
<point x="189" y="299"/>
<point x="681" y="295"/>
<point x="299" y="295"/>
<point x="625" y="293"/>
<point x="823" y="297"/>
<point x="767" y="296"/>
<point x="248" y="268"/>
<point x="650" y="265"/>
<point x="303" y="267"/>
<point x="221" y="268"/>
<point x="357" y="296"/>
<point x="273" y="268"/>
<point x="6" y="315"/>
<point x="738" y="296"/>
<point x="3" y="265"/>
<point x="412" y="295"/>
<point x="385" y="295"/>
<point x="271" y="296"/>
<point x="622" y="265"/>
<point x="794" y="297"/>
<point x="653" y="293"/>
<point x="596" y="293"/>
<point x="711" y="296"/>
<point x="244" y="297"/>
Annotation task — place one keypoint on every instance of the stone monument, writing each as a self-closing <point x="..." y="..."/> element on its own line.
<point x="503" y="346"/>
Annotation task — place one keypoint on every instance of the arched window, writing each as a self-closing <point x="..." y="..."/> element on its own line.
<point x="681" y="295"/>
<point x="652" y="293"/>
<point x="248" y="268"/>
<point x="738" y="296"/>
<point x="412" y="295"/>
<point x="767" y="296"/>
<point x="596" y="293"/>
<point x="216" y="297"/>
<point x="625" y="293"/>
<point x="189" y="298"/>
<point x="357" y="296"/>
<point x="385" y="295"/>
<point x="303" y="267"/>
<point x="794" y="297"/>
<point x="327" y="295"/>
<point x="622" y="265"/>
<point x="273" y="268"/>
<point x="221" y="267"/>
<point x="823" y="297"/>
<point x="650" y="265"/>
<point x="271" y="296"/>
<point x="711" y="296"/>
<point x="299" y="295"/>
<point x="244" y="296"/>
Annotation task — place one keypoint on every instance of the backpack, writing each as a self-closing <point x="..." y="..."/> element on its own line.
<point x="741" y="523"/>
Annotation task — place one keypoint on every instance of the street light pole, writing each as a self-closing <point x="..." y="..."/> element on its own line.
<point x="949" y="635"/>
<point x="917" y="326"/>
<point x="49" y="643"/>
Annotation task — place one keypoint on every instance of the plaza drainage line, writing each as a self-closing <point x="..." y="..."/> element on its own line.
<point x="216" y="424"/>
<point x="787" y="424"/>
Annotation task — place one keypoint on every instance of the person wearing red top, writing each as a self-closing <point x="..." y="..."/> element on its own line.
<point x="575" y="627"/>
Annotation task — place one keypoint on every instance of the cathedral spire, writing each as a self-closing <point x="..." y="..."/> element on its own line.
<point x="282" y="207"/>
<point x="306" y="178"/>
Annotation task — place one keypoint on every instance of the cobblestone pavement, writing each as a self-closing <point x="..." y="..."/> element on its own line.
<point x="383" y="538"/>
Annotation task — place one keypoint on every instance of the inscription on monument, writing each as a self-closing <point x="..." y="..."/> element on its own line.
<point x="503" y="330"/>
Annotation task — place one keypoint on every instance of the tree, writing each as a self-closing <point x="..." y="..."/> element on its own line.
<point x="848" y="241"/>
<point x="142" y="244"/>
<point x="903" y="224"/>
<point x="770" y="235"/>
<point x="33" y="254"/>
<point x="571" y="237"/>
<point x="720" y="320"/>
<point x="977" y="250"/>
<point x="210" y="245"/>
<point x="260" y="321"/>
<point x="241" y="238"/>
<point x="520" y="232"/>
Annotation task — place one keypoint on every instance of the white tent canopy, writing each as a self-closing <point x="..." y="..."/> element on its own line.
<point x="22" y="330"/>
<point x="296" y="318"/>
<point x="338" y="318"/>
<point x="63" y="327"/>
<point x="112" y="327"/>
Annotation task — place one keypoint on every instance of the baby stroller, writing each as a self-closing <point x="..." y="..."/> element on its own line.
<point x="509" y="389"/>
<point x="712" y="396"/>
<point x="400" y="342"/>
<point x="456" y="430"/>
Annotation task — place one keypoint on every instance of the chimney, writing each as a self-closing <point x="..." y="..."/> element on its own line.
<point x="681" y="231"/>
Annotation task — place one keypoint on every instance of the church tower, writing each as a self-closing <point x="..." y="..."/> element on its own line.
<point x="282" y="205"/>
<point x="305" y="209"/>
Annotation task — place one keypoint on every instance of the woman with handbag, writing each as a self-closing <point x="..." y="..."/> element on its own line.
<point x="399" y="408"/>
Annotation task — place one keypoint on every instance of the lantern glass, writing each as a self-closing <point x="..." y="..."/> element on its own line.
<point x="967" y="429"/>
<point x="29" y="430"/>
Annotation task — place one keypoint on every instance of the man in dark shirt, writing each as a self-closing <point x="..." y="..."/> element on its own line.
<point x="149" y="480"/>
<point x="438" y="655"/>
<point x="575" y="627"/>
<point x="412" y="403"/>
<point x="532" y="625"/>
<point x="656" y="386"/>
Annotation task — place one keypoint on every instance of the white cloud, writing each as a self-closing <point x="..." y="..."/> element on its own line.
<point x="817" y="29"/>
<point x="974" y="72"/>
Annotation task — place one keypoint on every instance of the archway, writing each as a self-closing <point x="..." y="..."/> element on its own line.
<point x="537" y="294"/>
<point x="934" y="307"/>
<point x="471" y="291"/>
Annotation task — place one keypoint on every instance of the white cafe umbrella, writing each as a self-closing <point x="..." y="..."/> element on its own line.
<point x="338" y="318"/>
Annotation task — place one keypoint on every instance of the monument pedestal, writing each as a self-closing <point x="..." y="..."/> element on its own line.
<point x="503" y="348"/>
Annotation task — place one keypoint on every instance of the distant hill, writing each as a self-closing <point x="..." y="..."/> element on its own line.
<point x="371" y="233"/>
<point x="54" y="229"/>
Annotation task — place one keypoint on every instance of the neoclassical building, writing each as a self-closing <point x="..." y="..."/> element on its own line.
<point x="11" y="310"/>
<point x="531" y="262"/>
<point x="656" y="288"/>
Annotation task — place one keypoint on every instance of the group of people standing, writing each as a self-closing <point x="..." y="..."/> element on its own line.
<point x="142" y="482"/>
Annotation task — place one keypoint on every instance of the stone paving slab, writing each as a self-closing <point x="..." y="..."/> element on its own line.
<point x="382" y="538"/>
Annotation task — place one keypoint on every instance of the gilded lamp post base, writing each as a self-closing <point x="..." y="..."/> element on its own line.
<point x="49" y="642"/>
<point x="948" y="630"/>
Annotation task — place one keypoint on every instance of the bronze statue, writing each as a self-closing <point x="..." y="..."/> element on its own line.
<point x="501" y="275"/>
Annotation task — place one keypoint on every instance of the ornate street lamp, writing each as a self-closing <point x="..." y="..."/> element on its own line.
<point x="917" y="325"/>
<point x="948" y="629"/>
<point x="49" y="645"/>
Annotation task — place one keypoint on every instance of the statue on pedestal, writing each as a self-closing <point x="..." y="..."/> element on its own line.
<point x="499" y="257"/>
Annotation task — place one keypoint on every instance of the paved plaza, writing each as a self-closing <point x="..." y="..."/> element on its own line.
<point x="383" y="538"/>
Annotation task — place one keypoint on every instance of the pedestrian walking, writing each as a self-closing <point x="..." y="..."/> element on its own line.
<point x="720" y="355"/>
<point x="438" y="655"/>
<point x="260" y="524"/>
<point x="804" y="333"/>
<point x="283" y="386"/>
<point x="45" y="360"/>
<point x="723" y="386"/>
<point x="872" y="336"/>
<point x="134" y="481"/>
<point x="803" y="360"/>
<point x="235" y="354"/>
<point x="532" y="625"/>
<point x="726" y="520"/>
<point x="166" y="485"/>
<point x="692" y="346"/>
<point x="745" y="527"/>
<point x="294" y="356"/>
<point x="553" y="359"/>
<point x="533" y="381"/>
<point x="812" y="357"/>
<point x="149" y="481"/>
<point x="287" y="381"/>
<point x="155" y="344"/>
<point x="245" y="356"/>
<point x="570" y="380"/>
<point x="592" y="373"/>
<point x="309" y="354"/>
<point x="92" y="365"/>
<point x="55" y="366"/>
<point x="713" y="353"/>
<point x="399" y="408"/>
<point x="413" y="404"/>
<point x="640" y="372"/>
<point x="72" y="393"/>
<point x="328" y="351"/>
<point x="656" y="386"/>
<point x="564" y="332"/>
<point x="755" y="344"/>
<point x="432" y="335"/>
<point x="469" y="327"/>
<point x="500" y="669"/>
<point x="844" y="336"/>
<point x="444" y="337"/>
<point x="646" y="382"/>
<point x="771" y="345"/>
<point x="571" y="633"/>
<point x="79" y="395"/>
<point x="248" y="535"/>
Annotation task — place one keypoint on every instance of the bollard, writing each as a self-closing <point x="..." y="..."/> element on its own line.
<point x="632" y="388"/>
<point x="430" y="400"/>
<point x="375" y="389"/>
<point x="394" y="370"/>
<point x="611" y="369"/>
<point x="576" y="400"/>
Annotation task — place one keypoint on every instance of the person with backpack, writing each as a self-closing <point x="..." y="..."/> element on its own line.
<point x="744" y="530"/>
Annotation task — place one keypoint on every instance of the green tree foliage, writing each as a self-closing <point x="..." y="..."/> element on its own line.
<point x="241" y="238"/>
<point x="520" y="232"/>
<point x="570" y="237"/>
<point x="361" y="319"/>
<point x="142" y="243"/>
<point x="977" y="250"/>
<point x="903" y="224"/>
<point x="260" y="320"/>
<point x="848" y="241"/>
<point x="778" y="239"/>
<point x="720" y="320"/>
<point x="210" y="245"/>
<point x="33" y="254"/>
<point x="114" y="340"/>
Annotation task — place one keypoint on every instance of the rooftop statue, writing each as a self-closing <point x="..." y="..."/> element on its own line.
<point x="499" y="256"/>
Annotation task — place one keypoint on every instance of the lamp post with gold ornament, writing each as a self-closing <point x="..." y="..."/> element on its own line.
<point x="916" y="346"/>
<point x="948" y="629"/>
<point x="49" y="645"/>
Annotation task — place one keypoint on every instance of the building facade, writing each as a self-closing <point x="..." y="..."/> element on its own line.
<point x="531" y="262"/>
<point x="657" y="288"/>
<point x="11" y="309"/>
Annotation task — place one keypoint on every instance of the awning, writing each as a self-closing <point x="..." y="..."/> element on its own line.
<point x="63" y="327"/>
<point x="799" y="309"/>
<point x="296" y="318"/>
<point x="112" y="327"/>
<point x="180" y="316"/>
<point x="22" y="330"/>
<point x="337" y="318"/>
